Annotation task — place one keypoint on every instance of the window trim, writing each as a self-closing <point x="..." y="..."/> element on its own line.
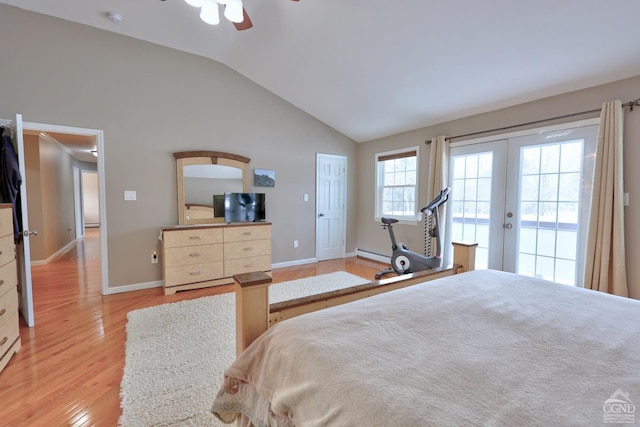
<point x="391" y="155"/>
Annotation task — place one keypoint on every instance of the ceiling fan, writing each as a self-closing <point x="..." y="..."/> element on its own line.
<point x="234" y="11"/>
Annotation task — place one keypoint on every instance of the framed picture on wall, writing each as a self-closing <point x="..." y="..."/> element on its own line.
<point x="264" y="178"/>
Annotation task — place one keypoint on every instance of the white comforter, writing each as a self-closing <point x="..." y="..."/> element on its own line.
<point x="480" y="348"/>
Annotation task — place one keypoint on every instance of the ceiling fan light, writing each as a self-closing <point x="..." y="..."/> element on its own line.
<point x="233" y="11"/>
<point x="195" y="3"/>
<point x="209" y="12"/>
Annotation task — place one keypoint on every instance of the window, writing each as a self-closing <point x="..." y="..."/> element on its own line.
<point x="397" y="173"/>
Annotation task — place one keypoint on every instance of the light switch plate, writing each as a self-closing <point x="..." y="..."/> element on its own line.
<point x="129" y="195"/>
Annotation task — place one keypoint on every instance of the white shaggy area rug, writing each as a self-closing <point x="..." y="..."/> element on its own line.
<point x="176" y="354"/>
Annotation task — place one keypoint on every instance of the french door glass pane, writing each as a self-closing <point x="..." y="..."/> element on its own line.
<point x="471" y="204"/>
<point x="550" y="188"/>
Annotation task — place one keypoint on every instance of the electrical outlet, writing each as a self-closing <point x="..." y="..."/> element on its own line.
<point x="295" y="243"/>
<point x="154" y="257"/>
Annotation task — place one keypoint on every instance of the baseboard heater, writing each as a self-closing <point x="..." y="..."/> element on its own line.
<point x="373" y="255"/>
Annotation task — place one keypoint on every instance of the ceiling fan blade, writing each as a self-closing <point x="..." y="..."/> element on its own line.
<point x="246" y="22"/>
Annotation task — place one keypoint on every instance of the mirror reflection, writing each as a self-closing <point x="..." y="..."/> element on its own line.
<point x="199" y="183"/>
<point x="203" y="178"/>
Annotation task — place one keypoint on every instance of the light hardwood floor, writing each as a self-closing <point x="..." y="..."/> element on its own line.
<point x="69" y="369"/>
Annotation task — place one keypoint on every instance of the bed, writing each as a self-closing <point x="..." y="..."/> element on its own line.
<point x="478" y="348"/>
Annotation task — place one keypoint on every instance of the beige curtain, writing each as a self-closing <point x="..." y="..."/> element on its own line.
<point x="438" y="177"/>
<point x="605" y="268"/>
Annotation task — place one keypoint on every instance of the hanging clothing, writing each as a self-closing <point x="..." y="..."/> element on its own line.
<point x="10" y="182"/>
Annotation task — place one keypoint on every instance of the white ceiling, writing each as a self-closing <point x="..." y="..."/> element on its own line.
<point x="372" y="68"/>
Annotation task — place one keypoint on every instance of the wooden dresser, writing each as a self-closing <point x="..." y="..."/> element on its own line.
<point x="9" y="328"/>
<point x="209" y="255"/>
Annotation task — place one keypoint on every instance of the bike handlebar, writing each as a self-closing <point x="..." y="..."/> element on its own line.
<point x="437" y="201"/>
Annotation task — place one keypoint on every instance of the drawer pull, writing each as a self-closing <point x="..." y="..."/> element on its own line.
<point x="195" y="273"/>
<point x="0" y="252"/>
<point x="247" y="265"/>
<point x="248" y="233"/>
<point x="4" y="340"/>
<point x="194" y="255"/>
<point x="1" y="282"/>
<point x="3" y="311"/>
<point x="194" y="237"/>
<point x="247" y="249"/>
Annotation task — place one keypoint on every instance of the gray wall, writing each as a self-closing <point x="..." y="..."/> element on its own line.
<point x="56" y="178"/>
<point x="34" y="198"/>
<point x="49" y="180"/>
<point x="371" y="236"/>
<point x="152" y="101"/>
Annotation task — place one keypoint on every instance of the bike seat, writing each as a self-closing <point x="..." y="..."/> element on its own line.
<point x="388" y="221"/>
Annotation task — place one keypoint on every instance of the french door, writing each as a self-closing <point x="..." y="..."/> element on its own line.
<point x="525" y="200"/>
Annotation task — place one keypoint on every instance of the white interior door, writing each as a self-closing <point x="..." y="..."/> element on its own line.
<point x="23" y="249"/>
<point x="331" y="181"/>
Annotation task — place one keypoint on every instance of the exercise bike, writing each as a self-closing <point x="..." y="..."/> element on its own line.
<point x="403" y="260"/>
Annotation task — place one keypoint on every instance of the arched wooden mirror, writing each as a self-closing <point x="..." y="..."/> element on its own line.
<point x="203" y="178"/>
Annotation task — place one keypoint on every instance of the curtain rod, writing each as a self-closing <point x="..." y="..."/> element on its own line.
<point x="630" y="104"/>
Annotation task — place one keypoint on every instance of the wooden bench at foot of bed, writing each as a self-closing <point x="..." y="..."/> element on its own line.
<point x="254" y="315"/>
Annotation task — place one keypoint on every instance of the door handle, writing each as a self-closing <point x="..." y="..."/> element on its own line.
<point x="320" y="215"/>
<point x="508" y="226"/>
<point x="27" y="233"/>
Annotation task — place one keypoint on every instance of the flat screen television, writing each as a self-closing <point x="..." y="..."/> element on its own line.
<point x="244" y="207"/>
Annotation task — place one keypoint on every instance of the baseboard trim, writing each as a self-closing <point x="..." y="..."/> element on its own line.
<point x="60" y="252"/>
<point x="373" y="256"/>
<point x="295" y="262"/>
<point x="158" y="283"/>
<point x="134" y="287"/>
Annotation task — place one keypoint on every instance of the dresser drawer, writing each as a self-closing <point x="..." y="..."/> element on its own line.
<point x="8" y="305"/>
<point x="7" y="249"/>
<point x="247" y="265"/>
<point x="249" y="232"/>
<point x="8" y="277"/>
<point x="247" y="249"/>
<point x="6" y="221"/>
<point x="9" y="333"/>
<point x="181" y="275"/>
<point x="191" y="236"/>
<point x="197" y="254"/>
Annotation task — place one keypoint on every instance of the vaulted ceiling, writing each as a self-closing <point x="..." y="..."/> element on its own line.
<point x="372" y="68"/>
